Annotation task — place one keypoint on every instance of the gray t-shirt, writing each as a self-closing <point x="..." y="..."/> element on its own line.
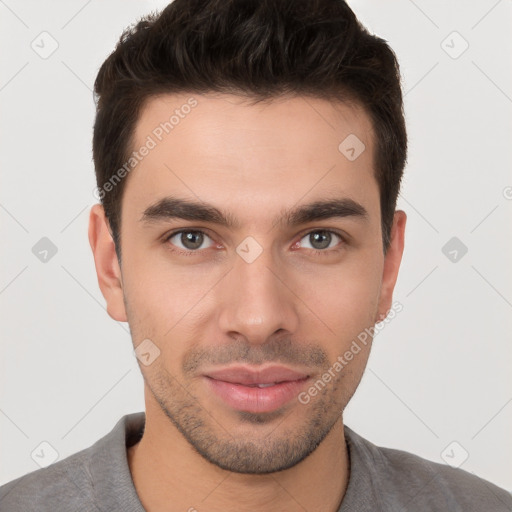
<point x="381" y="479"/>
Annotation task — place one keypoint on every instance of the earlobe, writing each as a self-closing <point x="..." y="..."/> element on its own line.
<point x="392" y="264"/>
<point x="107" y="265"/>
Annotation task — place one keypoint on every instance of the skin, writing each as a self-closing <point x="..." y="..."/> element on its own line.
<point x="290" y="304"/>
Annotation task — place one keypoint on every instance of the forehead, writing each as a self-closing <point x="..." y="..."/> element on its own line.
<point x="227" y="124"/>
<point x="224" y="150"/>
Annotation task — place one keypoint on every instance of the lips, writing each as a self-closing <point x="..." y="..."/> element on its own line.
<point x="255" y="390"/>
<point x="247" y="376"/>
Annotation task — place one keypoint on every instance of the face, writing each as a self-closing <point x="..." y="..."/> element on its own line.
<point x="251" y="260"/>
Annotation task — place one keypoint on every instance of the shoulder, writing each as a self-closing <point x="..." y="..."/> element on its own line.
<point x="55" y="487"/>
<point x="98" y="474"/>
<point x="403" y="479"/>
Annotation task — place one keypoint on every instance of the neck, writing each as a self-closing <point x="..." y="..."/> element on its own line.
<point x="169" y="475"/>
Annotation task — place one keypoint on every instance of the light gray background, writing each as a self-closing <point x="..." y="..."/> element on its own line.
<point x="439" y="372"/>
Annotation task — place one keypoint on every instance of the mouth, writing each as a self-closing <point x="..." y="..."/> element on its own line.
<point x="255" y="390"/>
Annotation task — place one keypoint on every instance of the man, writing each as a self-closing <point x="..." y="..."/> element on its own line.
<point x="248" y="158"/>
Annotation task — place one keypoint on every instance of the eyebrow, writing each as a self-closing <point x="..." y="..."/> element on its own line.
<point x="170" y="208"/>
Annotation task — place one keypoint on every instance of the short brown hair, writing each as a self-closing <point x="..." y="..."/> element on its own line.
<point x="260" y="49"/>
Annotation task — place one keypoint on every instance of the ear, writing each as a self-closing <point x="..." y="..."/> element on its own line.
<point x="107" y="265"/>
<point x="392" y="264"/>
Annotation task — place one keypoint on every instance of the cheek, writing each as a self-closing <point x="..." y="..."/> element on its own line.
<point x="157" y="285"/>
<point x="345" y="298"/>
<point x="165" y="303"/>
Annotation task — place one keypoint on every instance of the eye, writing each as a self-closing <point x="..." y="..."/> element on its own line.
<point x="190" y="240"/>
<point x="320" y="240"/>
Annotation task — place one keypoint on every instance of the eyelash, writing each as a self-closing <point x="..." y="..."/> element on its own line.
<point x="317" y="252"/>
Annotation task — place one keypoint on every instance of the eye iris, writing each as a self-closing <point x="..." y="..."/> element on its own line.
<point x="323" y="238"/>
<point x="192" y="239"/>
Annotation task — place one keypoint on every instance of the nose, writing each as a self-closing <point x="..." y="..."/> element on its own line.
<point x="257" y="300"/>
